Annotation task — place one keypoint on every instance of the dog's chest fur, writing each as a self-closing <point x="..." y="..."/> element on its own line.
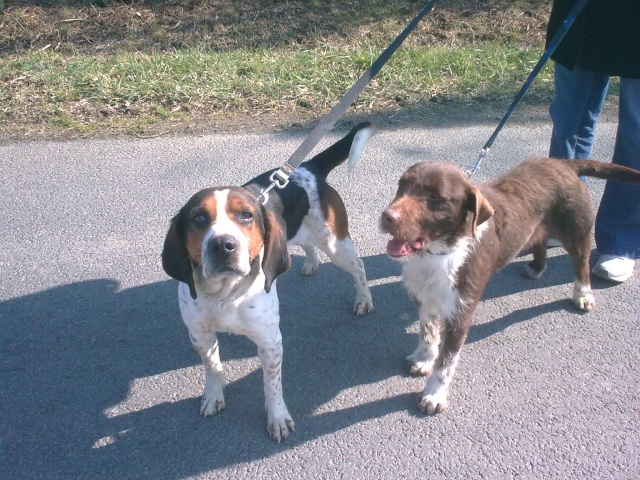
<point x="431" y="279"/>
<point x="245" y="314"/>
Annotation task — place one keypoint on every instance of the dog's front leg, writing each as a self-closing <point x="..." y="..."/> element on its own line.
<point x="421" y="361"/>
<point x="434" y="397"/>
<point x="279" y="422"/>
<point x="206" y="344"/>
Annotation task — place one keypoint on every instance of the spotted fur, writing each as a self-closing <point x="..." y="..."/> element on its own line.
<point x="227" y="250"/>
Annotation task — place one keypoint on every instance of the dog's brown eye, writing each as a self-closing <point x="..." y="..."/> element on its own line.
<point x="245" y="217"/>
<point x="199" y="219"/>
<point x="435" y="197"/>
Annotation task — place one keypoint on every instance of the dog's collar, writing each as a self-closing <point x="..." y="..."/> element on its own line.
<point x="440" y="248"/>
<point x="436" y="253"/>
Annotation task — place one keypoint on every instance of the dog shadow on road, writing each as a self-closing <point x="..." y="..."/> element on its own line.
<point x="73" y="352"/>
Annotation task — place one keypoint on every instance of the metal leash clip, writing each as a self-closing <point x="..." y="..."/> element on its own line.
<point x="279" y="178"/>
<point x="471" y="169"/>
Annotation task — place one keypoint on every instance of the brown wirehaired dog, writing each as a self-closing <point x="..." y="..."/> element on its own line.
<point x="452" y="235"/>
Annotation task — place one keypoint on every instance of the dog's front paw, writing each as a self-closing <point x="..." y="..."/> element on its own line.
<point x="583" y="297"/>
<point x="363" y="305"/>
<point x="433" y="404"/>
<point x="279" y="424"/>
<point x="420" y="362"/>
<point x="309" y="268"/>
<point x="211" y="404"/>
<point x="418" y="368"/>
<point x="434" y="396"/>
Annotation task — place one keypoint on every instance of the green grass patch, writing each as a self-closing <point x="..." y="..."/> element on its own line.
<point x="159" y="85"/>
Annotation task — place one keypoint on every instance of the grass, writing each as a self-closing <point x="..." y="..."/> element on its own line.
<point x="74" y="70"/>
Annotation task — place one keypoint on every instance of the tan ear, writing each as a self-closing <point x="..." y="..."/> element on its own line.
<point x="175" y="257"/>
<point x="276" y="258"/>
<point x="480" y="207"/>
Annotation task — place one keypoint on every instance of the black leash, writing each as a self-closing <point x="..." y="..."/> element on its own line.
<point x="575" y="11"/>
<point x="280" y="178"/>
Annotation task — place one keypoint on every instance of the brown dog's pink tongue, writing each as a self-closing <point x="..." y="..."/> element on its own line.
<point x="398" y="248"/>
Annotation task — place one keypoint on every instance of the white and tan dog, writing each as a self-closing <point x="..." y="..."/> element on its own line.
<point x="227" y="249"/>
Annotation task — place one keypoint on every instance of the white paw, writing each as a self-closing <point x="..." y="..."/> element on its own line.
<point x="433" y="399"/>
<point x="585" y="302"/>
<point x="211" y="404"/>
<point x="363" y="305"/>
<point x="421" y="361"/>
<point x="432" y="404"/>
<point x="279" y="424"/>
<point x="309" y="268"/>
<point x="418" y="367"/>
<point x="583" y="297"/>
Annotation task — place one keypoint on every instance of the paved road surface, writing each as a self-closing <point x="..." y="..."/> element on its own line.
<point x="99" y="380"/>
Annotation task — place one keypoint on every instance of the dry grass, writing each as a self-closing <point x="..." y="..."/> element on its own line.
<point x="223" y="25"/>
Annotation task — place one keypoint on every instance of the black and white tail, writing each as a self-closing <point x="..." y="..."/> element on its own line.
<point x="349" y="147"/>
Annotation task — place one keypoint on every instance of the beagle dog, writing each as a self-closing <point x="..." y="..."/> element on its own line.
<point x="227" y="249"/>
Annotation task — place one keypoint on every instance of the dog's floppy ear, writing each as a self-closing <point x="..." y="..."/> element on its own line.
<point x="479" y="206"/>
<point x="276" y="258"/>
<point x="175" y="258"/>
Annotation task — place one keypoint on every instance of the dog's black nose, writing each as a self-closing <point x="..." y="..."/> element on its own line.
<point x="223" y="244"/>
<point x="390" y="217"/>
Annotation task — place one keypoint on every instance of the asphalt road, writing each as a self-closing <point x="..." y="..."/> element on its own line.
<point x="99" y="380"/>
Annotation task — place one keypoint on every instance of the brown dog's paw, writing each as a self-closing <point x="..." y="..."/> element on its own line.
<point x="433" y="404"/>
<point x="529" y="272"/>
<point x="418" y="363"/>
<point x="418" y="369"/>
<point x="583" y="297"/>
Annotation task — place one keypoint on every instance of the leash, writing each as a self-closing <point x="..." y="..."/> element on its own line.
<point x="553" y="44"/>
<point x="280" y="178"/>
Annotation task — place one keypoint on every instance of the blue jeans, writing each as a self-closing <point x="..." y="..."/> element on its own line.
<point x="579" y="97"/>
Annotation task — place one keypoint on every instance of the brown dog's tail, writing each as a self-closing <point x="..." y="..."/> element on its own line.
<point x="606" y="171"/>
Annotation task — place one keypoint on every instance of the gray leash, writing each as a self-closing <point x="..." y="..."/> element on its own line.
<point x="280" y="178"/>
<point x="575" y="11"/>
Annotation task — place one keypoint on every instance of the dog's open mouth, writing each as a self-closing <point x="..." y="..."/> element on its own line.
<point x="400" y="248"/>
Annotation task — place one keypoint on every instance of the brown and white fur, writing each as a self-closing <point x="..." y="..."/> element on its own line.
<point x="452" y="235"/>
<point x="227" y="249"/>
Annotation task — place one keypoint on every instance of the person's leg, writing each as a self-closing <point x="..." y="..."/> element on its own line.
<point x="577" y="103"/>
<point x="618" y="220"/>
<point x="579" y="97"/>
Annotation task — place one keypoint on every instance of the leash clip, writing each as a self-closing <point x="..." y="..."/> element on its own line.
<point x="471" y="169"/>
<point x="279" y="178"/>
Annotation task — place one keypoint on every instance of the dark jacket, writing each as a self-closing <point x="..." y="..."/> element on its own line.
<point x="605" y="38"/>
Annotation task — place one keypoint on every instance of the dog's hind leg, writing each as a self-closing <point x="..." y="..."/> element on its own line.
<point x="579" y="252"/>
<point x="330" y="233"/>
<point x="342" y="253"/>
<point x="538" y="265"/>
<point x="311" y="261"/>
<point x="574" y="223"/>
